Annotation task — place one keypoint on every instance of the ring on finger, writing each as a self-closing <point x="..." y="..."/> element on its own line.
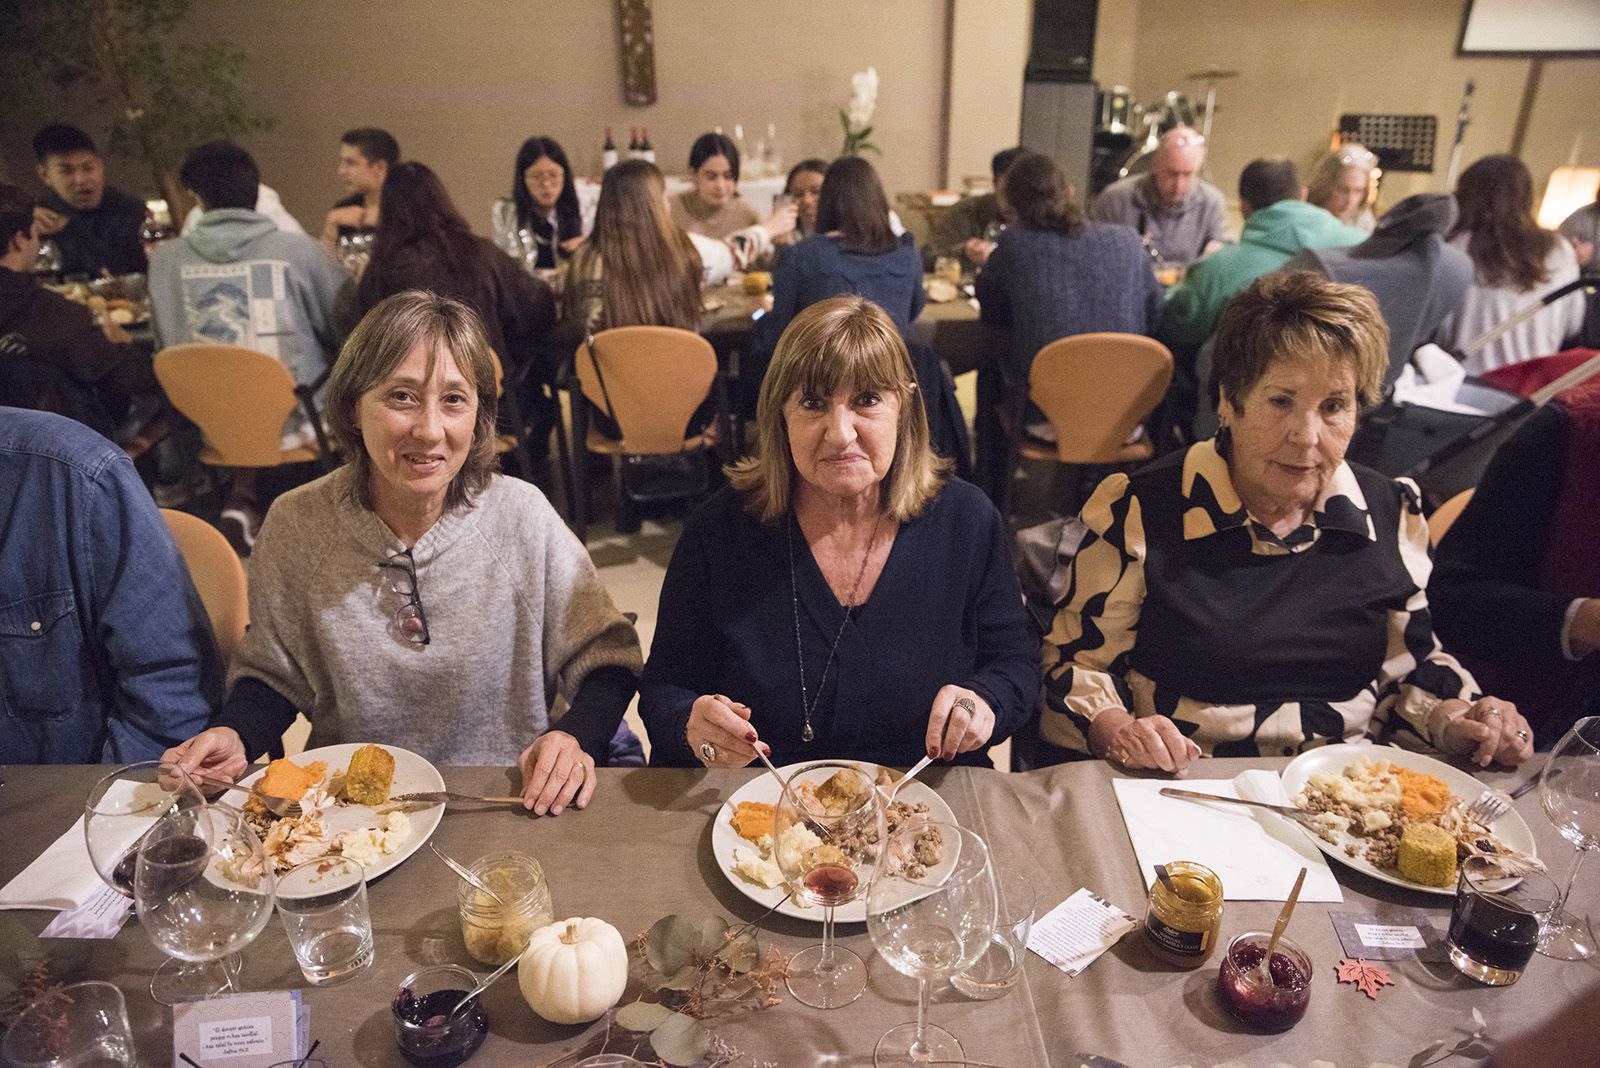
<point x="708" y="753"/>
<point x="966" y="703"/>
<point x="1524" y="735"/>
<point x="1492" y="711"/>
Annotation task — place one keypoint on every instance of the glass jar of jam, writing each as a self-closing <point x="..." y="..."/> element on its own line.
<point x="428" y="1034"/>
<point x="1182" y="923"/>
<point x="1273" y="1001"/>
<point x="497" y="931"/>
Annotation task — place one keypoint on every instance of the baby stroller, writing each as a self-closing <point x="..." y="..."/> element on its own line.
<point x="1440" y="428"/>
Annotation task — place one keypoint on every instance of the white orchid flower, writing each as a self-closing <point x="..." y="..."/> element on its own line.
<point x="863" y="97"/>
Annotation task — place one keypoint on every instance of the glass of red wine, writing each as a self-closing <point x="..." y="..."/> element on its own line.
<point x="1496" y="922"/>
<point x="122" y="807"/>
<point x="204" y="888"/>
<point x="828" y="833"/>
<point x="1569" y="790"/>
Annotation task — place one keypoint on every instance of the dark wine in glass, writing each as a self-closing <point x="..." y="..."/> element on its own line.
<point x="831" y="884"/>
<point x="1495" y="932"/>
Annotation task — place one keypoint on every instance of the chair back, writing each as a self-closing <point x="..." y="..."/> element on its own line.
<point x="1095" y="388"/>
<point x="238" y="398"/>
<point x="1444" y="516"/>
<point x="217" y="574"/>
<point x="655" y="377"/>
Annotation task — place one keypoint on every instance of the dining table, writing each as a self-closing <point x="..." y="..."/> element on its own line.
<point x="642" y="850"/>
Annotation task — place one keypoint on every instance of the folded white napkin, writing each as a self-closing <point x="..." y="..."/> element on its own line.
<point x="63" y="877"/>
<point x="1256" y="854"/>
<point x="1437" y="384"/>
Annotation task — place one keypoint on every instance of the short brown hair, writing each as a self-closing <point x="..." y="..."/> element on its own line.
<point x="379" y="344"/>
<point x="1293" y="315"/>
<point x="852" y="343"/>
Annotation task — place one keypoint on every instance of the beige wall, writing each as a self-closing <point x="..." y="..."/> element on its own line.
<point x="988" y="53"/>
<point x="460" y="84"/>
<point x="1302" y="65"/>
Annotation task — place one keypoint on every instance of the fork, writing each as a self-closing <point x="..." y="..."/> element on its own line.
<point x="1300" y="816"/>
<point x="440" y="797"/>
<point x="1488" y="807"/>
<point x="278" y="806"/>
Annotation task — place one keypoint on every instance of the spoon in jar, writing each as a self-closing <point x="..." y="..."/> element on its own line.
<point x="488" y="981"/>
<point x="466" y="873"/>
<point x="1261" y="974"/>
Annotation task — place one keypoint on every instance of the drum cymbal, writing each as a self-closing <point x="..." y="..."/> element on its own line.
<point x="1212" y="74"/>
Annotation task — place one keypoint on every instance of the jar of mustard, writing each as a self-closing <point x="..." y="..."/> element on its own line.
<point x="1182" y="923"/>
<point x="494" y="933"/>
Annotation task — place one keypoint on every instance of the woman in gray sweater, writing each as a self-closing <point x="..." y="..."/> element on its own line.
<point x="417" y="598"/>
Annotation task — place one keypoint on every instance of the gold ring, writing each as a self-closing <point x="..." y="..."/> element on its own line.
<point x="1523" y="735"/>
<point x="1492" y="711"/>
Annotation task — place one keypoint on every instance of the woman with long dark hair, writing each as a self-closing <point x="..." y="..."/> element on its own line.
<point x="1516" y="264"/>
<point x="542" y="213"/>
<point x="424" y="243"/>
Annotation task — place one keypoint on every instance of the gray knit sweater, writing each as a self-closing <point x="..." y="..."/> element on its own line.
<point x="515" y="614"/>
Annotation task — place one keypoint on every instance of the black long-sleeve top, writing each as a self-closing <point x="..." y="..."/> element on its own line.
<point x="946" y="610"/>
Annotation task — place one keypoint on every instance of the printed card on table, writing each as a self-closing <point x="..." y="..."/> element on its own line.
<point x="1388" y="934"/>
<point x="1074" y="933"/>
<point x="241" y="1030"/>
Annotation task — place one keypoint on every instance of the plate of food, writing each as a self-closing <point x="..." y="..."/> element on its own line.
<point x="342" y="806"/>
<point x="742" y="839"/>
<point x="1400" y="816"/>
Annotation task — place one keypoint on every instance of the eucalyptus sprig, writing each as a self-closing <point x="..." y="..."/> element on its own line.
<point x="698" y="969"/>
<point x="1474" y="1046"/>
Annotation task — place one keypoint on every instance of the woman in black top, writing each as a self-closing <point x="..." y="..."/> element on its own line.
<point x="424" y="243"/>
<point x="1255" y="594"/>
<point x="844" y="598"/>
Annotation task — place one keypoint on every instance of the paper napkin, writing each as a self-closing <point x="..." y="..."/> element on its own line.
<point x="1256" y="854"/>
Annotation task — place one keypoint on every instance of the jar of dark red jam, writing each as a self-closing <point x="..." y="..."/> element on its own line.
<point x="1271" y="1002"/>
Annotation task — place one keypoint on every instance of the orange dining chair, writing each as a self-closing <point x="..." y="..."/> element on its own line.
<point x="239" y="399"/>
<point x="649" y="380"/>
<point x="217" y="574"/>
<point x="1095" y="389"/>
<point x="1445" y="516"/>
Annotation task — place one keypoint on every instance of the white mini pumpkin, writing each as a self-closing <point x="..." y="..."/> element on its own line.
<point x="574" y="970"/>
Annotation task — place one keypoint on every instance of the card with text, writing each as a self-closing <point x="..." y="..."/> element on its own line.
<point x="1074" y="933"/>
<point x="1389" y="934"/>
<point x="241" y="1030"/>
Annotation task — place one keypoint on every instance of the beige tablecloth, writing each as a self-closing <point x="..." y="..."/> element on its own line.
<point x="643" y="850"/>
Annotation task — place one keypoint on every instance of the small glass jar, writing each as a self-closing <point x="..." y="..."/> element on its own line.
<point x="428" y="1035"/>
<point x="1182" y="924"/>
<point x="1275" y="1002"/>
<point x="494" y="933"/>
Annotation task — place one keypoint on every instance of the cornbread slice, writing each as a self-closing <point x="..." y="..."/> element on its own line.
<point x="371" y="773"/>
<point x="1427" y="855"/>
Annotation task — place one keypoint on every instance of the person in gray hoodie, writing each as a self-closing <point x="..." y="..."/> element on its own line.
<point x="1417" y="278"/>
<point x="236" y="279"/>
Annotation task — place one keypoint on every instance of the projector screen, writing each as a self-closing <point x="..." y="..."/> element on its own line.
<point x="1523" y="28"/>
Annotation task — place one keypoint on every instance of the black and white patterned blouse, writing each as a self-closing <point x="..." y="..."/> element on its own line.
<point x="1180" y="604"/>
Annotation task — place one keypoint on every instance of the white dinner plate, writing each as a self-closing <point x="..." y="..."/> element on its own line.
<point x="1333" y="759"/>
<point x="724" y="840"/>
<point x="412" y="774"/>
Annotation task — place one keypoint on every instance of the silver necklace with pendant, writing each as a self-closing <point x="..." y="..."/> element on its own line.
<point x="807" y="704"/>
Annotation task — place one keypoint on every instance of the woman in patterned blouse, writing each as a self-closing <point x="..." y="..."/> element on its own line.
<point x="1255" y="594"/>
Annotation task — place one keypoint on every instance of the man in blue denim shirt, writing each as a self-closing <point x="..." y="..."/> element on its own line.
<point x="106" y="653"/>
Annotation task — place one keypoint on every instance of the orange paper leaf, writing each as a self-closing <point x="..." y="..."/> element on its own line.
<point x="1367" y="976"/>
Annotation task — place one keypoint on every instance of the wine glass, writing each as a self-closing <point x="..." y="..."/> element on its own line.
<point x="930" y="919"/>
<point x="1569" y="790"/>
<point x="204" y="888"/>
<point x="124" y="805"/>
<point x="828" y="832"/>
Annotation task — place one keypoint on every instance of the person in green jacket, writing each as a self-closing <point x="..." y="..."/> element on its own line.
<point x="1278" y="224"/>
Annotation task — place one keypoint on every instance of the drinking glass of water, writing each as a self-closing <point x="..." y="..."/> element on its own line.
<point x="323" y="905"/>
<point x="1000" y="967"/>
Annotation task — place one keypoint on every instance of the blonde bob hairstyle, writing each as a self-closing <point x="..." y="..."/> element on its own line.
<point x="1295" y="317"/>
<point x="379" y="344"/>
<point x="842" y="343"/>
